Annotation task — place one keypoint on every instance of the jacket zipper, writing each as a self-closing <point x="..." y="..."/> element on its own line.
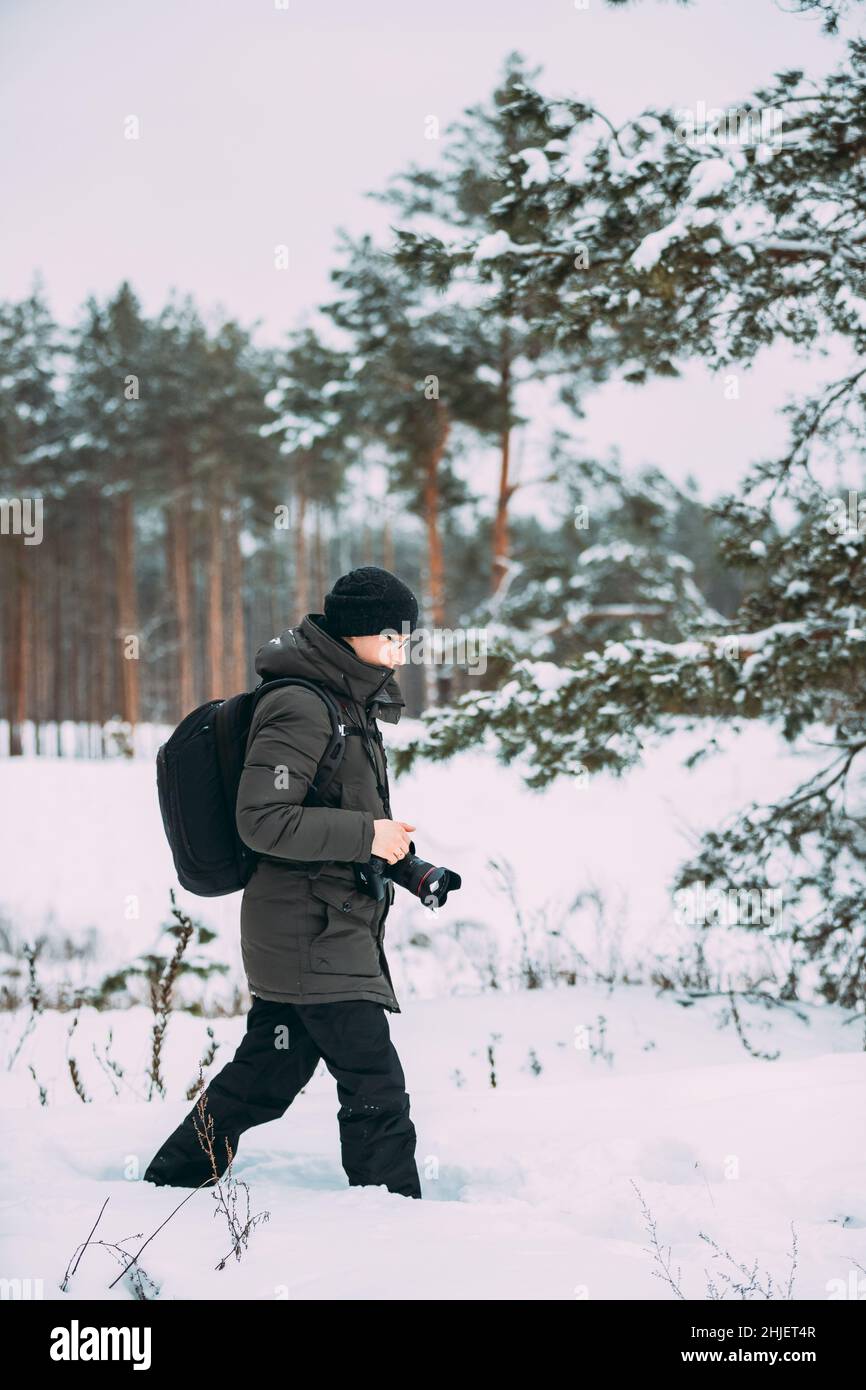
<point x="377" y="738"/>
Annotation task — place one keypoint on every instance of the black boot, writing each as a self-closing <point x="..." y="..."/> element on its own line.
<point x="182" y="1162"/>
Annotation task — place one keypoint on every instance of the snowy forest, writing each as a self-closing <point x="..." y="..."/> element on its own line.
<point x="674" y="677"/>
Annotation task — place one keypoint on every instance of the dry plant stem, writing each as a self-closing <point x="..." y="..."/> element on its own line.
<point x="70" y="1274"/>
<point x="135" y="1257"/>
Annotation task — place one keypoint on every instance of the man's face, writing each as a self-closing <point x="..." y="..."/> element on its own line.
<point x="381" y="649"/>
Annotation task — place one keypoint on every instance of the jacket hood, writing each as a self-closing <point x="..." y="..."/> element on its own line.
<point x="309" y="651"/>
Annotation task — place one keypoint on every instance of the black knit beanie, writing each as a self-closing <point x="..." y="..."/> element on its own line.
<point x="366" y="601"/>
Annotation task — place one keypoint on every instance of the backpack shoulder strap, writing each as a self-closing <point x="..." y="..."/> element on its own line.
<point x="333" y="754"/>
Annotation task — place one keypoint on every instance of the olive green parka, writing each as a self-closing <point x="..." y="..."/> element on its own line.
<point x="308" y="936"/>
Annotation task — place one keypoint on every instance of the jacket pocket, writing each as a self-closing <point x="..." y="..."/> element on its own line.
<point x="347" y="944"/>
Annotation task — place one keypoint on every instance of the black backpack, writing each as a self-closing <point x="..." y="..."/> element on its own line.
<point x="198" y="772"/>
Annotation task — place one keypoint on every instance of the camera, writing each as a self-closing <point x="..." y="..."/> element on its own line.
<point x="429" y="882"/>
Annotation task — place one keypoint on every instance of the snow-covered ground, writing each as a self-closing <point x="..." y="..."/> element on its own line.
<point x="85" y="857"/>
<point x="531" y="1189"/>
<point x="612" y="1107"/>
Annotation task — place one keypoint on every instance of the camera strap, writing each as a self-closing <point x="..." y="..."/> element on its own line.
<point x="382" y="790"/>
<point x="364" y="734"/>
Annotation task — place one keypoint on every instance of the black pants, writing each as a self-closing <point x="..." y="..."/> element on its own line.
<point x="276" y="1058"/>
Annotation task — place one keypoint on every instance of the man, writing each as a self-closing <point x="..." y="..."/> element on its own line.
<point x="312" y="944"/>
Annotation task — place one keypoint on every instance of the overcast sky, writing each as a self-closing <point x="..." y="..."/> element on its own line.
<point x="262" y="125"/>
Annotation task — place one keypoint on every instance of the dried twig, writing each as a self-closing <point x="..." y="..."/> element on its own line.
<point x="135" y="1258"/>
<point x="660" y="1257"/>
<point x="162" y="997"/>
<point x="34" y="996"/>
<point x="226" y="1197"/>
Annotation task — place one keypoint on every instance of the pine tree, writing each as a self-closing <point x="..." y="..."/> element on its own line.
<point x="31" y="432"/>
<point x="176" y="392"/>
<point x="110" y="452"/>
<point x="312" y="400"/>
<point x="489" y="187"/>
<point x="418" y="394"/>
<point x="694" y="248"/>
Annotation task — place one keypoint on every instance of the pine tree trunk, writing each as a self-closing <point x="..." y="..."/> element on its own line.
<point x="435" y="568"/>
<point x="302" y="588"/>
<point x="270" y="575"/>
<point x="319" y="577"/>
<point x="179" y="568"/>
<point x="89" y="640"/>
<point x="6" y="588"/>
<point x="428" y="669"/>
<point x="215" y="633"/>
<point x="435" y="565"/>
<point x="19" y="664"/>
<point x="72" y="634"/>
<point x="100" y="614"/>
<point x="58" y="654"/>
<point x="237" y="678"/>
<point x="127" y="607"/>
<point x="37" y="668"/>
<point x="500" y="522"/>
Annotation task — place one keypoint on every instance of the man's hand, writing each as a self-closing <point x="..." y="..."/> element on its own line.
<point x="391" y="839"/>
